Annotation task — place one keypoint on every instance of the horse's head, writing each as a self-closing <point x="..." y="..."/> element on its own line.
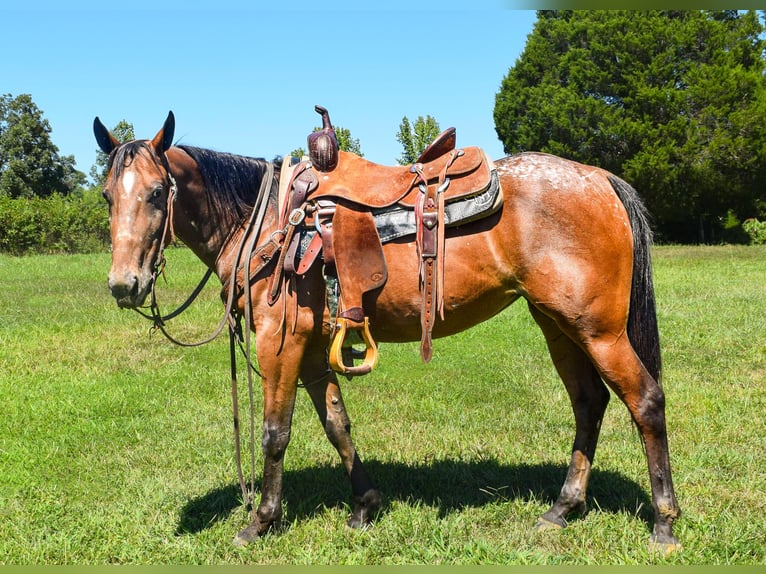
<point x="137" y="188"/>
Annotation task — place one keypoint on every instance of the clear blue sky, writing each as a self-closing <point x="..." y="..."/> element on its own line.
<point x="244" y="78"/>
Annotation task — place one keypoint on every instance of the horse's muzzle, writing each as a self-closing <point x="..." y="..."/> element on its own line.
<point x="126" y="289"/>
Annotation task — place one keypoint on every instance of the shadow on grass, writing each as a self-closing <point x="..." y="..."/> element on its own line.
<point x="449" y="485"/>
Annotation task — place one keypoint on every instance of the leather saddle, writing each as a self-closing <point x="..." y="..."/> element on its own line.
<point x="330" y="207"/>
<point x="361" y="182"/>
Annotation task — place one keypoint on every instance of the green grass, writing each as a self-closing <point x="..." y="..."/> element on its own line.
<point x="116" y="447"/>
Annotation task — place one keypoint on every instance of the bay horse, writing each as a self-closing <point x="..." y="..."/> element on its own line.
<point x="572" y="240"/>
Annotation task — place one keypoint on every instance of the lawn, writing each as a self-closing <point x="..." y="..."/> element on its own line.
<point x="116" y="446"/>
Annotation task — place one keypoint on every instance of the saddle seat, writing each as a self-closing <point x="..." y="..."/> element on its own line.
<point x="364" y="183"/>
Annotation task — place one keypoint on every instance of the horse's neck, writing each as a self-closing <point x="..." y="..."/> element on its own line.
<point x="212" y="235"/>
<point x="193" y="218"/>
<point x="191" y="228"/>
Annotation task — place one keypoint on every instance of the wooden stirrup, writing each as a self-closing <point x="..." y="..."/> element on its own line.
<point x="336" y="356"/>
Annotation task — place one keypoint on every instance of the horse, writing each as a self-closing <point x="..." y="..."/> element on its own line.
<point x="572" y="240"/>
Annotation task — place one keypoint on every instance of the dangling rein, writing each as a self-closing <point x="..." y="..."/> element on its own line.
<point x="230" y="315"/>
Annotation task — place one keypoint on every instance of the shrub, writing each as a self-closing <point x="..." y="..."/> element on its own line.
<point x="76" y="223"/>
<point x="732" y="230"/>
<point x="756" y="230"/>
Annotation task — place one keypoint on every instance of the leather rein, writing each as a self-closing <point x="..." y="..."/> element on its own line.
<point x="237" y="336"/>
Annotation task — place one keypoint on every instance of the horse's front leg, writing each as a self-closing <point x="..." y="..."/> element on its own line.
<point x="279" y="366"/>
<point x="322" y="386"/>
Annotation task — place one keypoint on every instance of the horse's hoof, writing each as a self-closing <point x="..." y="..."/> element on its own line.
<point x="365" y="510"/>
<point x="544" y="524"/>
<point x="246" y="536"/>
<point x="358" y="525"/>
<point x="664" y="545"/>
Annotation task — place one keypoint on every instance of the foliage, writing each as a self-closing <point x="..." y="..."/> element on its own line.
<point x="416" y="137"/>
<point x="756" y="230"/>
<point x="75" y="223"/>
<point x="123" y="131"/>
<point x="673" y="101"/>
<point x="30" y="164"/>
<point x="116" y="446"/>
<point x="732" y="230"/>
<point x="346" y="142"/>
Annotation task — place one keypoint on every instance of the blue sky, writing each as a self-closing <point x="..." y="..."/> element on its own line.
<point x="243" y="78"/>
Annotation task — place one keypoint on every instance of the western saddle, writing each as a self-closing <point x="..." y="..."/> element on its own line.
<point x="344" y="207"/>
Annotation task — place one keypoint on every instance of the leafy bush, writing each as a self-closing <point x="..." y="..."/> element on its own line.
<point x="732" y="230"/>
<point x="756" y="230"/>
<point x="76" y="223"/>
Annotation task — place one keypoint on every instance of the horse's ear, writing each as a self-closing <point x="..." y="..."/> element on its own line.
<point x="106" y="141"/>
<point x="164" y="138"/>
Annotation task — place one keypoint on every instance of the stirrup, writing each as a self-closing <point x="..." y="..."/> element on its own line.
<point x="370" y="351"/>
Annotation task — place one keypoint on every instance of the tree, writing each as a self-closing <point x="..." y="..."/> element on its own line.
<point x="416" y="137"/>
<point x="30" y="164"/>
<point x="123" y="131"/>
<point x="345" y="142"/>
<point x="673" y="101"/>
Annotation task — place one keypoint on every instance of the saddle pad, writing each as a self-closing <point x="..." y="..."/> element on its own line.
<point x="399" y="221"/>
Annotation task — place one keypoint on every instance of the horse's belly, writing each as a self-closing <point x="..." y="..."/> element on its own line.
<point x="475" y="289"/>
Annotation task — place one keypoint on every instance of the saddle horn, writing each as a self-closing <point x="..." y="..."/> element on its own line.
<point x="323" y="144"/>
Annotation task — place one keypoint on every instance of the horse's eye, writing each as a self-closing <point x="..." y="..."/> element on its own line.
<point x="156" y="193"/>
<point x="105" y="195"/>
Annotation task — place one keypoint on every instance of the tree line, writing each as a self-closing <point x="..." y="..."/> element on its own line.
<point x="672" y="101"/>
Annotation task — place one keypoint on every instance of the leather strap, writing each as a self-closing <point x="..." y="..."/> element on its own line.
<point x="312" y="251"/>
<point x="428" y="308"/>
<point x="431" y="245"/>
<point x="322" y="239"/>
<point x="303" y="182"/>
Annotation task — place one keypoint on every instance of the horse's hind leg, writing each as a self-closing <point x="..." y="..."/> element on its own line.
<point x="645" y="399"/>
<point x="322" y="386"/>
<point x="589" y="397"/>
<point x="619" y="367"/>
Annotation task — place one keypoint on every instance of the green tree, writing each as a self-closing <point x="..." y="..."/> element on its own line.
<point x="30" y="164"/>
<point x="123" y="131"/>
<point x="416" y="137"/>
<point x="346" y="142"/>
<point x="673" y="101"/>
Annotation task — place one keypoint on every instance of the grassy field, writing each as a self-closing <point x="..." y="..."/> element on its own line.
<point x="116" y="446"/>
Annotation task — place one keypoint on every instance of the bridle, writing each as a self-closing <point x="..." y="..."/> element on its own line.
<point x="238" y="337"/>
<point x="168" y="236"/>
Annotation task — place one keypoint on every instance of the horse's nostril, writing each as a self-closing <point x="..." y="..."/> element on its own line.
<point x="124" y="288"/>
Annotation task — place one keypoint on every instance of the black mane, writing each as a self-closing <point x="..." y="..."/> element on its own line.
<point x="233" y="181"/>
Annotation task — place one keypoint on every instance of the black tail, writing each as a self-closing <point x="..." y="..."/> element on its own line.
<point x="642" y="319"/>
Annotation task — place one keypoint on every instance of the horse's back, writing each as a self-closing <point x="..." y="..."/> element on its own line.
<point x="561" y="208"/>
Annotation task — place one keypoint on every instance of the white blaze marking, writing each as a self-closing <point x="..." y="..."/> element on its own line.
<point x="124" y="231"/>
<point x="128" y="180"/>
